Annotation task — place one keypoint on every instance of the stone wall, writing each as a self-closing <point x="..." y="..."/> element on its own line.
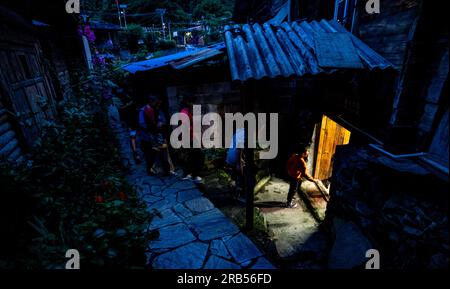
<point x="394" y="205"/>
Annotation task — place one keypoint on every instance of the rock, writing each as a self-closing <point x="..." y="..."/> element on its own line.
<point x="167" y="192"/>
<point x="226" y="238"/>
<point x="191" y="256"/>
<point x="246" y="263"/>
<point x="156" y="191"/>
<point x="412" y="231"/>
<point x="150" y="199"/>
<point x="165" y="218"/>
<point x="199" y="205"/>
<point x="172" y="236"/>
<point x="292" y="228"/>
<point x="183" y="185"/>
<point x="99" y="233"/>
<point x="349" y="248"/>
<point x="218" y="248"/>
<point x="366" y="222"/>
<point x="308" y="265"/>
<point x="409" y="201"/>
<point x="172" y="198"/>
<point x="363" y="209"/>
<point x="315" y="246"/>
<point x="111" y="253"/>
<point x="242" y="249"/>
<point x="143" y="190"/>
<point x="262" y="263"/>
<point x="215" y="262"/>
<point x="152" y="181"/>
<point x="184" y="196"/>
<point x="438" y="261"/>
<point x="168" y="180"/>
<point x="162" y="205"/>
<point x="121" y="232"/>
<point x="182" y="211"/>
<point x="211" y="225"/>
<point x="394" y="236"/>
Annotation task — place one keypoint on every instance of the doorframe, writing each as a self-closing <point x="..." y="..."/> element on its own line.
<point x="317" y="135"/>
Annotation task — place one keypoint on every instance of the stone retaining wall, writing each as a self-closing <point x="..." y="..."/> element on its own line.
<point x="392" y="205"/>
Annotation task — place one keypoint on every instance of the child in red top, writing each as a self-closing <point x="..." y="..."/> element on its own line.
<point x="296" y="168"/>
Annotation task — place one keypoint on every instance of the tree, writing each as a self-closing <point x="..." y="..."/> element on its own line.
<point x="133" y="33"/>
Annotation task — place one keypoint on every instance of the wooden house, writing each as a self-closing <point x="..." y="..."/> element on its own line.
<point x="413" y="36"/>
<point x="38" y="47"/>
<point x="394" y="99"/>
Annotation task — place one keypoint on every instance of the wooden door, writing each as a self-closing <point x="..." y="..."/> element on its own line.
<point x="29" y="88"/>
<point x="331" y="135"/>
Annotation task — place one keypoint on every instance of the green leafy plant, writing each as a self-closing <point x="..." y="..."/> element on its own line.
<point x="72" y="194"/>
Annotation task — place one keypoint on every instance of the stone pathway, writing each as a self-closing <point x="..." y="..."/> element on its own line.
<point x="294" y="231"/>
<point x="193" y="234"/>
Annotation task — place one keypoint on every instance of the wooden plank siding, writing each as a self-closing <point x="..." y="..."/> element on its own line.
<point x="331" y="135"/>
<point x="27" y="93"/>
<point x="9" y="142"/>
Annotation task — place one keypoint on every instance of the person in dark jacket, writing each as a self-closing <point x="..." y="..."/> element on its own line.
<point x="148" y="123"/>
<point x="129" y="113"/>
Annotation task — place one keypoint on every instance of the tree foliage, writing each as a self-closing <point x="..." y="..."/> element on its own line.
<point x="177" y="11"/>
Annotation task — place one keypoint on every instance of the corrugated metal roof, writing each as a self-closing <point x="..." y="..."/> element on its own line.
<point x="177" y="60"/>
<point x="296" y="49"/>
<point x="101" y="25"/>
<point x="190" y="60"/>
<point x="39" y="23"/>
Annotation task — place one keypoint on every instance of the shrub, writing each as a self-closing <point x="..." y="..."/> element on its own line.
<point x="71" y="194"/>
<point x="166" y="44"/>
<point x="132" y="35"/>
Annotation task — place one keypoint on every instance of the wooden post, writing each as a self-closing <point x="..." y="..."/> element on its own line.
<point x="249" y="175"/>
<point x="247" y="93"/>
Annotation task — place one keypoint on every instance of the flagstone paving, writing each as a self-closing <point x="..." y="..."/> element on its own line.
<point x="295" y="232"/>
<point x="193" y="234"/>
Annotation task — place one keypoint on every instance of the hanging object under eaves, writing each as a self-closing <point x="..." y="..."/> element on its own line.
<point x="296" y="49"/>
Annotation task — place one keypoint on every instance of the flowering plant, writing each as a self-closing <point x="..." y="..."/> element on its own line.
<point x="86" y="31"/>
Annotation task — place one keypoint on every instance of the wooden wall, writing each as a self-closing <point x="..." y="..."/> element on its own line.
<point x="388" y="33"/>
<point x="27" y="92"/>
<point x="9" y="142"/>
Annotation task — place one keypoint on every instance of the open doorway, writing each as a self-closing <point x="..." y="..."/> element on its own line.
<point x="331" y="135"/>
<point x="327" y="135"/>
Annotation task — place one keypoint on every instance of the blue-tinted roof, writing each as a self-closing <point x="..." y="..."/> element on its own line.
<point x="101" y="25"/>
<point x="296" y="49"/>
<point x="39" y="23"/>
<point x="193" y="55"/>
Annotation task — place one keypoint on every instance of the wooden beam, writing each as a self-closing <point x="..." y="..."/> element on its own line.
<point x="247" y="97"/>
